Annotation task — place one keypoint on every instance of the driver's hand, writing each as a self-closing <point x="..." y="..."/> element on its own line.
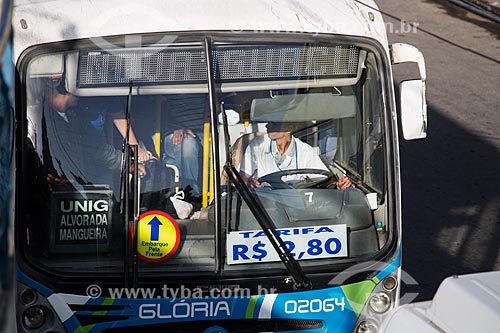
<point x="254" y="183"/>
<point x="344" y="183"/>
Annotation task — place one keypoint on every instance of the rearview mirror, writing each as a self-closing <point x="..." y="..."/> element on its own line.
<point x="413" y="109"/>
<point x="303" y="107"/>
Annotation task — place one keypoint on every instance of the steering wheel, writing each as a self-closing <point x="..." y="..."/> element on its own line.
<point x="275" y="179"/>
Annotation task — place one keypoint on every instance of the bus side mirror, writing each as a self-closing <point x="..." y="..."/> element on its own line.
<point x="413" y="109"/>
<point x="412" y="93"/>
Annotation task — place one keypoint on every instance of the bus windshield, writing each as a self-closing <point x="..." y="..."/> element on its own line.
<point x="296" y="120"/>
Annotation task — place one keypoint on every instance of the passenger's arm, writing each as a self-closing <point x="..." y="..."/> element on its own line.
<point x="121" y="125"/>
<point x="110" y="156"/>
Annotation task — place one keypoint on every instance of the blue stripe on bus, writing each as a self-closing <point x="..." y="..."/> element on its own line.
<point x="23" y="278"/>
<point x="393" y="265"/>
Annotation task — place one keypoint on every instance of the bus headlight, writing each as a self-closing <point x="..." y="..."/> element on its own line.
<point x="34" y="317"/>
<point x="28" y="296"/>
<point x="366" y="326"/>
<point x="390" y="283"/>
<point x="380" y="302"/>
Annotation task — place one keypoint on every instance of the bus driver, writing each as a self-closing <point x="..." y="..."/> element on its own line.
<point x="277" y="151"/>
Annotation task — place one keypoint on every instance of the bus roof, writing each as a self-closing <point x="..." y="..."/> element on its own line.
<point x="44" y="21"/>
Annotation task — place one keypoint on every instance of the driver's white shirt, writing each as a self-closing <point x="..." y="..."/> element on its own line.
<point x="258" y="158"/>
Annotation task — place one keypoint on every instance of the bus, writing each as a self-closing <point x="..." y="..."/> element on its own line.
<point x="6" y="151"/>
<point x="6" y="142"/>
<point x="182" y="165"/>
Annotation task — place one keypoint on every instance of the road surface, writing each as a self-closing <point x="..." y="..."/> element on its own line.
<point x="451" y="180"/>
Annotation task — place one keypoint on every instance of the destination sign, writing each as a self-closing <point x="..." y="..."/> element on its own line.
<point x="80" y="221"/>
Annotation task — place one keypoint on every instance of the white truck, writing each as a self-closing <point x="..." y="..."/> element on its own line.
<point x="462" y="304"/>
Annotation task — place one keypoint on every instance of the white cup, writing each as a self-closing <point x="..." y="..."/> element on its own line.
<point x="372" y="200"/>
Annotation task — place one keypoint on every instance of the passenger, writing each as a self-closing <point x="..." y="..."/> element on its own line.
<point x="120" y="123"/>
<point x="277" y="151"/>
<point x="76" y="154"/>
<point x="98" y="110"/>
<point x="182" y="141"/>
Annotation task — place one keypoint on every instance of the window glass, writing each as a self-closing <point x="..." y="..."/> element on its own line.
<point x="302" y="123"/>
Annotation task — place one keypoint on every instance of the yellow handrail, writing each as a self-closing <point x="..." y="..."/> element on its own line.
<point x="206" y="160"/>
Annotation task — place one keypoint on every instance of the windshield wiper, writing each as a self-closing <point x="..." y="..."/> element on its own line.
<point x="127" y="151"/>
<point x="265" y="222"/>
<point x="229" y="160"/>
<point x="301" y="280"/>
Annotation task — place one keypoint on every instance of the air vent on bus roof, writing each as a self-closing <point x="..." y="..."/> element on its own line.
<point x="186" y="65"/>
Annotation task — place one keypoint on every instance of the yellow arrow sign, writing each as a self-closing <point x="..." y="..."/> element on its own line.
<point x="158" y="236"/>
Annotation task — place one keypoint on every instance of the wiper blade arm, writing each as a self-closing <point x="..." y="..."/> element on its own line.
<point x="125" y="157"/>
<point x="129" y="151"/>
<point x="265" y="222"/>
<point x="301" y="280"/>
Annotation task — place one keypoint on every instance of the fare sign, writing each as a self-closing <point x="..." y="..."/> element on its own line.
<point x="314" y="242"/>
<point x="158" y="236"/>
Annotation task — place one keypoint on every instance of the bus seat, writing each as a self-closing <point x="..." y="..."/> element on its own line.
<point x="238" y="149"/>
